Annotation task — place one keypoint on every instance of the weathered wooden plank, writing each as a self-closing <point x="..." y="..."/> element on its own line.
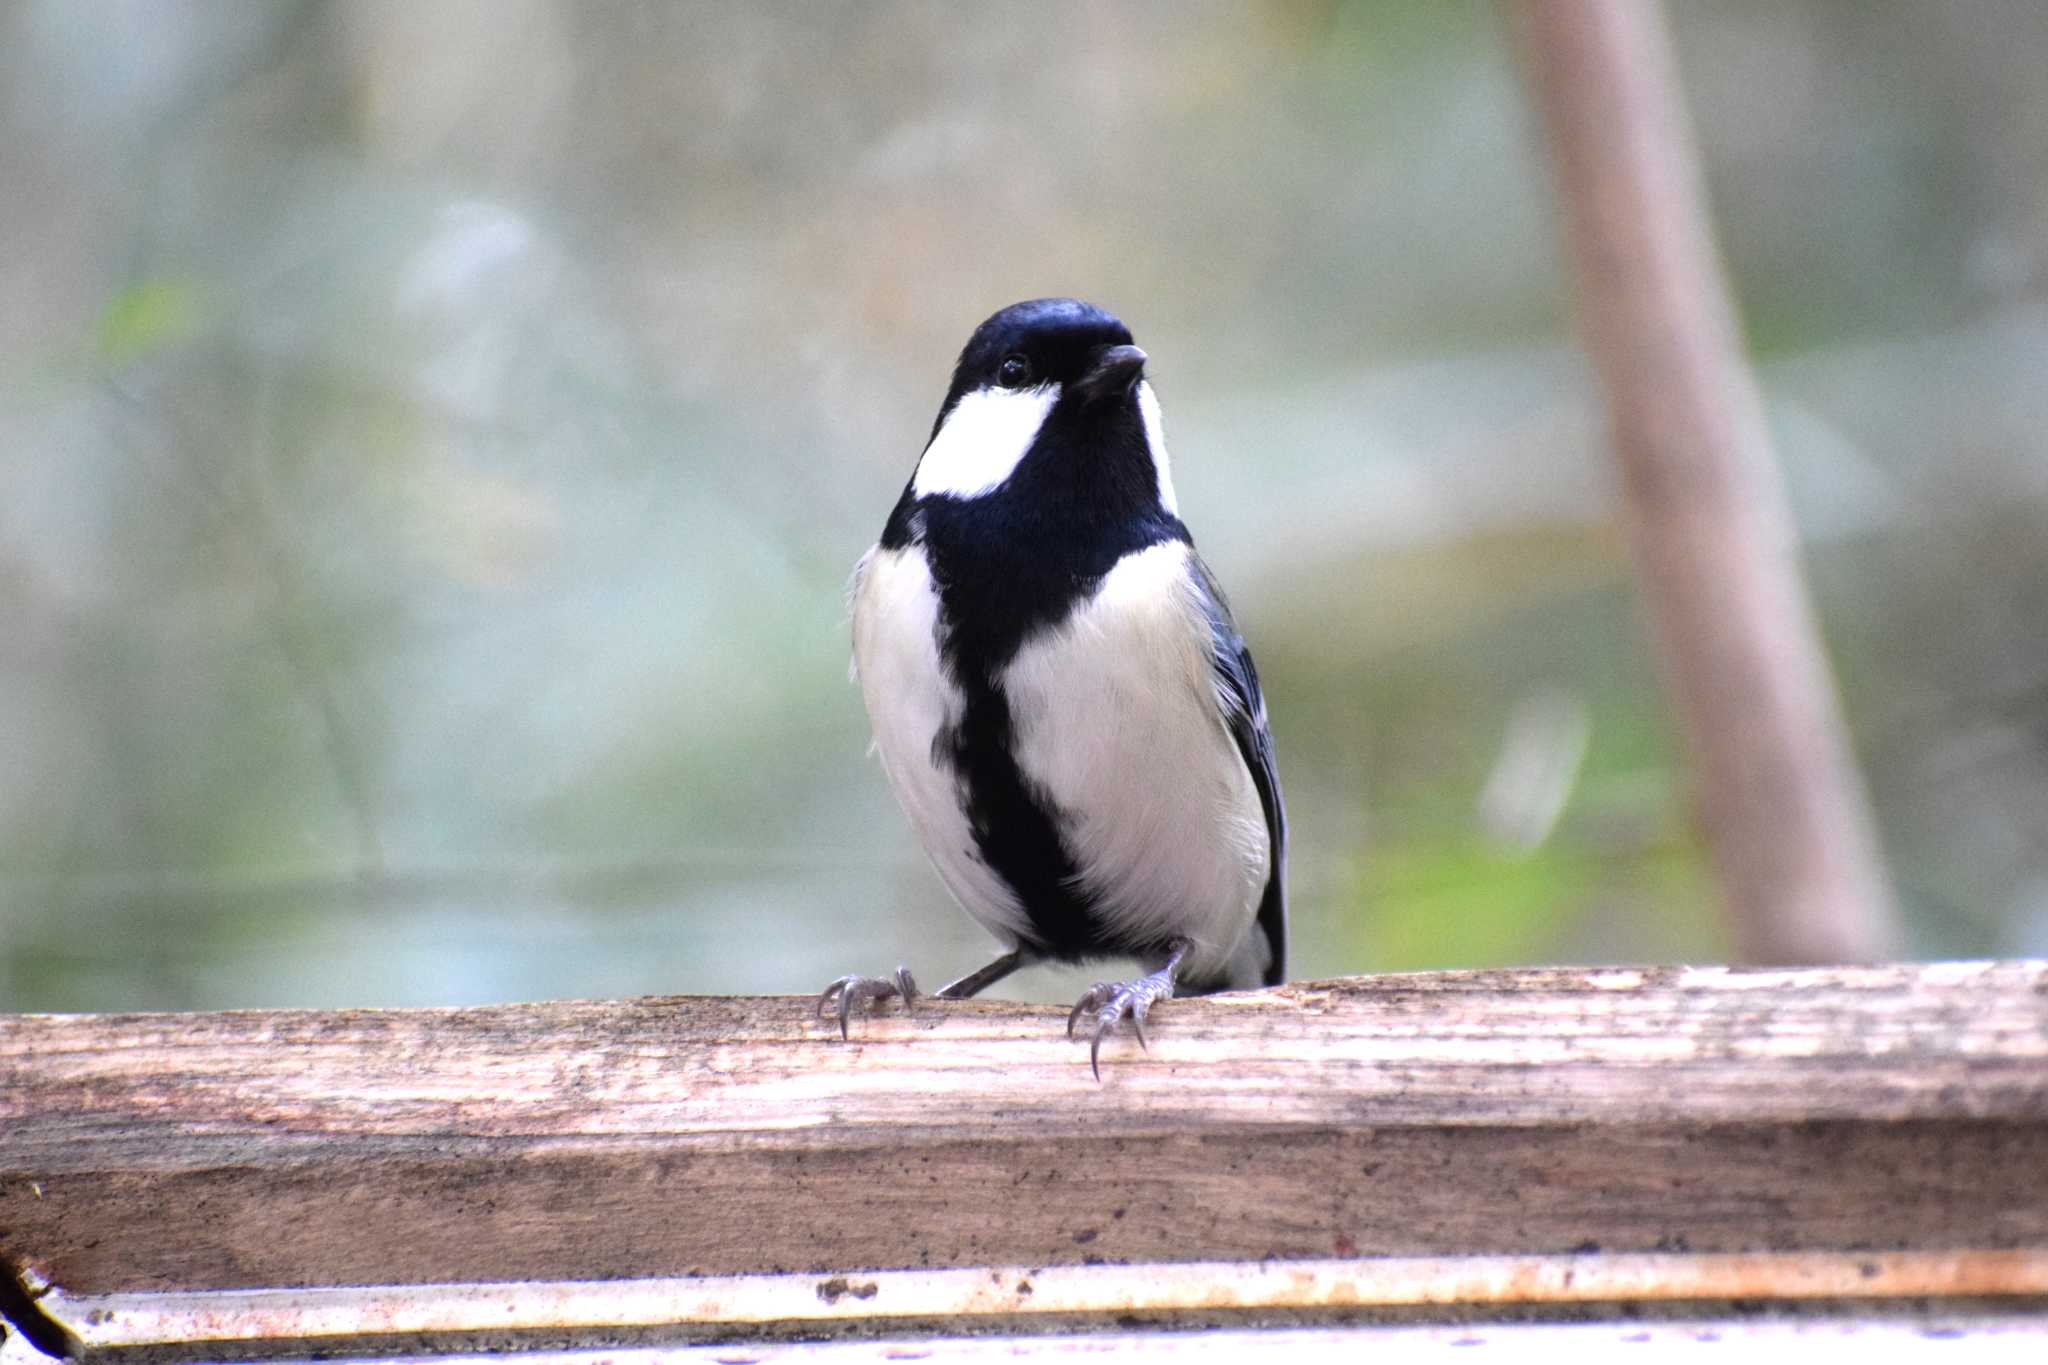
<point x="1467" y="1113"/>
<point x="1936" y="1335"/>
<point x="1009" y="1295"/>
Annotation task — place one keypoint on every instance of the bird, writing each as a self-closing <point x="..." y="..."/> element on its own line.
<point x="1060" y="698"/>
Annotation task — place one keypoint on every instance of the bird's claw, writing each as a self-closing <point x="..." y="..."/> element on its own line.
<point x="862" y="992"/>
<point x="1110" y="1001"/>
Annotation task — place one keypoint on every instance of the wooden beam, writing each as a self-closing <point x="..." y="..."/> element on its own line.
<point x="1705" y="1110"/>
<point x="1031" y="1296"/>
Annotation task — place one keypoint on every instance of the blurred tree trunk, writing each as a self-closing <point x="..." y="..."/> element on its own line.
<point x="1703" y="505"/>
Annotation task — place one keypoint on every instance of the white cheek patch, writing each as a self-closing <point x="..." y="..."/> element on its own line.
<point x="1155" y="440"/>
<point x="985" y="437"/>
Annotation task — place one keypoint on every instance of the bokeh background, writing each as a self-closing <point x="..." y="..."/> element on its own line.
<point x="434" y="438"/>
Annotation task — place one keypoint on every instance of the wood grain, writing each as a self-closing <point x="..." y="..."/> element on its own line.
<point x="1453" y="1114"/>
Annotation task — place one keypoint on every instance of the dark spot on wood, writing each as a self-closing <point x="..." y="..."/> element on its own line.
<point x="1087" y="1235"/>
<point x="838" y="1287"/>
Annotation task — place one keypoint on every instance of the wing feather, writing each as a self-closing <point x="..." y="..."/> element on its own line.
<point x="1244" y="708"/>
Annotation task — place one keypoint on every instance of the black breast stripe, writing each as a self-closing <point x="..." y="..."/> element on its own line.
<point x="996" y="592"/>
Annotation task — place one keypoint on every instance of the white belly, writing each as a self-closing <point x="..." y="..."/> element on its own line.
<point x="909" y="701"/>
<point x="1117" y="719"/>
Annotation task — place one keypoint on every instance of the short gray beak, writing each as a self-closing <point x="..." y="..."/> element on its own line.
<point x="1116" y="369"/>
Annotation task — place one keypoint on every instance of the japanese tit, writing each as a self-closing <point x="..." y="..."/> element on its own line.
<point x="1060" y="699"/>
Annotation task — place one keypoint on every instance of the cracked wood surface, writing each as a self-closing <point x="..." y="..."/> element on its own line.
<point x="1884" y="1108"/>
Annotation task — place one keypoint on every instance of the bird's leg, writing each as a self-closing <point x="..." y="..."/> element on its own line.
<point x="861" y="992"/>
<point x="1112" y="1000"/>
<point x="975" y="982"/>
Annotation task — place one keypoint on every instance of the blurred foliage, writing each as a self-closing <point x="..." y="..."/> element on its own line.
<point x="148" y="315"/>
<point x="434" y="439"/>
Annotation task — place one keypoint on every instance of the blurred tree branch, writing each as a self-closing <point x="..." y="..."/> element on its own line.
<point x="1704" y="508"/>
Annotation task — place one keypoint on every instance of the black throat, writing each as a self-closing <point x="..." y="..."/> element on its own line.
<point x="1010" y="565"/>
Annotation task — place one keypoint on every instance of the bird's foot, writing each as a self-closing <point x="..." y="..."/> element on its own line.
<point x="863" y="992"/>
<point x="1110" y="1001"/>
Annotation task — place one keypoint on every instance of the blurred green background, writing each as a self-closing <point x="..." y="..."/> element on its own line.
<point x="434" y="438"/>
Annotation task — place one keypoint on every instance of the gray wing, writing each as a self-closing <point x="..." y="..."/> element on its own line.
<point x="1244" y="708"/>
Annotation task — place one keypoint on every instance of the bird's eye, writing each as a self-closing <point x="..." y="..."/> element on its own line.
<point x="1014" y="372"/>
